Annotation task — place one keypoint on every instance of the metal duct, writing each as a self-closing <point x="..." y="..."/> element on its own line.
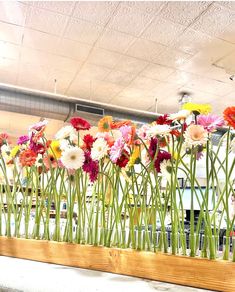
<point x="60" y="107"/>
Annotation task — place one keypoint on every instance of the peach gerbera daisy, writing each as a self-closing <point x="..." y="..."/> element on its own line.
<point x="195" y="135"/>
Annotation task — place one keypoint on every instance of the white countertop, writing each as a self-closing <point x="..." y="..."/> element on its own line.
<point x="29" y="276"/>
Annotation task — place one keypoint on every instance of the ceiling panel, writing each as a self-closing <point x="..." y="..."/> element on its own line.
<point x="63" y="7"/>
<point x="115" y="41"/>
<point x="157" y="72"/>
<point x="11" y="33"/>
<point x="96" y="12"/>
<point x="46" y="21"/>
<point x="130" y="20"/>
<point x="146" y="50"/>
<point x="163" y="31"/>
<point x="105" y="58"/>
<point x="13" y="12"/>
<point x="82" y="31"/>
<point x="184" y="12"/>
<point x="215" y="20"/>
<point x="127" y="53"/>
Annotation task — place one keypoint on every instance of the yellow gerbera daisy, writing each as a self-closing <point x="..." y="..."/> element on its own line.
<point x="134" y="156"/>
<point x="14" y="151"/>
<point x="197" y="107"/>
<point x="55" y="149"/>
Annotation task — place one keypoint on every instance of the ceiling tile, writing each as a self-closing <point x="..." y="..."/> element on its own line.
<point x="192" y="41"/>
<point x="29" y="55"/>
<point x="90" y="71"/>
<point x="130" y="20"/>
<point x="63" y="7"/>
<point x="144" y="83"/>
<point x="11" y="33"/>
<point x="64" y="64"/>
<point x="115" y="41"/>
<point x="9" y="77"/>
<point x="96" y="12"/>
<point x="7" y="15"/>
<point x="211" y="86"/>
<point x="164" y="89"/>
<point x="179" y="77"/>
<point x="130" y="65"/>
<point x="157" y="72"/>
<point x="149" y="7"/>
<point x="8" y="50"/>
<point x="9" y="65"/>
<point x="72" y="49"/>
<point x="144" y="102"/>
<point x="163" y="31"/>
<point x="82" y="31"/>
<point x="172" y="58"/>
<point x="119" y="77"/>
<point x="215" y="20"/>
<point x="105" y="91"/>
<point x="132" y="92"/>
<point x="105" y="58"/>
<point x="32" y="76"/>
<point x="145" y="49"/>
<point x="46" y="21"/>
<point x="40" y="40"/>
<point x="228" y="4"/>
<point x="217" y="73"/>
<point x="63" y="80"/>
<point x="184" y="12"/>
<point x="82" y="88"/>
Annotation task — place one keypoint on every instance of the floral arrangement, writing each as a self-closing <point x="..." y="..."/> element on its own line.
<point x="123" y="187"/>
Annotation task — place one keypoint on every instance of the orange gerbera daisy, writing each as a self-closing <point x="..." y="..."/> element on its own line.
<point x="117" y="125"/>
<point x="105" y="123"/>
<point x="229" y="116"/>
<point x="27" y="157"/>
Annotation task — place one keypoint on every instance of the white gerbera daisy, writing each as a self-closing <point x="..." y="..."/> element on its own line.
<point x="195" y="135"/>
<point x="156" y="129"/>
<point x="166" y="169"/>
<point x="181" y="115"/>
<point x="99" y="149"/>
<point x="39" y="160"/>
<point x="73" y="157"/>
<point x="65" y="132"/>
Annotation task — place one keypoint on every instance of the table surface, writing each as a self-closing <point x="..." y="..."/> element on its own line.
<point x="29" y="276"/>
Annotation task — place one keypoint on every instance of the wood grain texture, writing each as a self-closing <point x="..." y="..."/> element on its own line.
<point x="196" y="272"/>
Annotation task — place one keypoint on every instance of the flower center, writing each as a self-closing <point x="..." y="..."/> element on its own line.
<point x="73" y="157"/>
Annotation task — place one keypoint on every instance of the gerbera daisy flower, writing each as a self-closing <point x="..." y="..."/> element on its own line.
<point x="14" y="151"/>
<point x="91" y="167"/>
<point x="181" y="115"/>
<point x="28" y="157"/>
<point x="156" y="129"/>
<point x="23" y="140"/>
<point x="73" y="158"/>
<point x="210" y="122"/>
<point x="65" y="133"/>
<point x="4" y="139"/>
<point x="49" y="161"/>
<point x="39" y="126"/>
<point x="164" y="120"/>
<point x="229" y="116"/>
<point x="123" y="159"/>
<point x="79" y="124"/>
<point x="118" y="125"/>
<point x="166" y="169"/>
<point x="116" y="150"/>
<point x="55" y="149"/>
<point x="104" y="125"/>
<point x="88" y="141"/>
<point x="197" y="108"/>
<point x="135" y="156"/>
<point x="162" y="155"/>
<point x="99" y="149"/>
<point x="195" y="135"/>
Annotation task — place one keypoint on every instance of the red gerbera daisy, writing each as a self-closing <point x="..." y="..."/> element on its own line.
<point x="79" y="124"/>
<point x="229" y="116"/>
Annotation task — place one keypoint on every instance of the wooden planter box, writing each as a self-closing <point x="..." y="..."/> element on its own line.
<point x="202" y="273"/>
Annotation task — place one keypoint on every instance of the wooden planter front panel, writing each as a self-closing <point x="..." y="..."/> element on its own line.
<point x="196" y="272"/>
